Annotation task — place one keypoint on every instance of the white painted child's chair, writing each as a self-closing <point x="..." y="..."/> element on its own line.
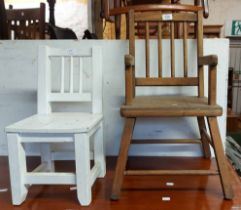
<point x="49" y="127"/>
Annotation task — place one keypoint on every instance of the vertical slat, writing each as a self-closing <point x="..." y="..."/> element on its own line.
<point x="185" y="56"/>
<point x="147" y="50"/>
<point x="130" y="74"/>
<point x="160" y="49"/>
<point x="200" y="53"/>
<point x="44" y="80"/>
<point x="131" y="33"/>
<point x="42" y="21"/>
<point x="127" y="26"/>
<point x="62" y="76"/>
<point x="71" y="75"/>
<point x="22" y="31"/>
<point x="212" y="85"/>
<point x="97" y="80"/>
<point x="172" y="50"/>
<point x="34" y="29"/>
<point x="80" y="75"/>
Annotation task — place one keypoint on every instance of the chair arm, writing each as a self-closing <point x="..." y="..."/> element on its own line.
<point x="210" y="60"/>
<point x="129" y="78"/>
<point x="129" y="61"/>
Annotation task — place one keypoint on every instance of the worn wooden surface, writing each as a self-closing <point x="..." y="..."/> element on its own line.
<point x="200" y="192"/>
<point x="122" y="158"/>
<point x="170" y="106"/>
<point x="176" y="105"/>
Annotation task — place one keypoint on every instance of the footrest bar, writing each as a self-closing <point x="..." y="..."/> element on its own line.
<point x="170" y="172"/>
<point x="166" y="141"/>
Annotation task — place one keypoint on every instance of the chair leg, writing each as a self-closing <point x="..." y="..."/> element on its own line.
<point x="17" y="167"/>
<point x="220" y="157"/>
<point x="82" y="164"/>
<point x="205" y="143"/>
<point x="45" y="150"/>
<point x="122" y="158"/>
<point x="99" y="155"/>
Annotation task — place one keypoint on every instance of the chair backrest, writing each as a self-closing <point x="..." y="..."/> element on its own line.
<point x="26" y="23"/>
<point x="62" y="74"/>
<point x="166" y="15"/>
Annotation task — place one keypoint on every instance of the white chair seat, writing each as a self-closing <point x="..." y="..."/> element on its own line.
<point x="63" y="122"/>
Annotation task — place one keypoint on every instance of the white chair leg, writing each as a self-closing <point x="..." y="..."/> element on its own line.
<point x="17" y="167"/>
<point x="82" y="162"/>
<point x="46" y="158"/>
<point x="99" y="154"/>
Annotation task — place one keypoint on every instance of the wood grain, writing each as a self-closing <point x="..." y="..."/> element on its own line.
<point x="170" y="172"/>
<point x="163" y="106"/>
<point x="204" y="137"/>
<point x="221" y="160"/>
<point x="177" y="81"/>
<point x="153" y="7"/>
<point x="122" y="158"/>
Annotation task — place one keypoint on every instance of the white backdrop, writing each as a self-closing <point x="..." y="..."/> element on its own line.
<point x="18" y="89"/>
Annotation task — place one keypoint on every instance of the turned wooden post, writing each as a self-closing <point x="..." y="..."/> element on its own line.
<point x="51" y="16"/>
<point x="51" y="11"/>
<point x="3" y="24"/>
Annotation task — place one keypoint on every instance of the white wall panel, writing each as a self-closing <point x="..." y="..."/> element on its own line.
<point x="18" y="89"/>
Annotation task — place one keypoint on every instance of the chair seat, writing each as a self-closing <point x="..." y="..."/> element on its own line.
<point x="56" y="123"/>
<point x="170" y="106"/>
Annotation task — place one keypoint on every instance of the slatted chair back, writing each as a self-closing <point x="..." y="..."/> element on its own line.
<point x="26" y="23"/>
<point x="166" y="15"/>
<point x="62" y="74"/>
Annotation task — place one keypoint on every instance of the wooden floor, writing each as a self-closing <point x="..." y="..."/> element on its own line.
<point x="139" y="193"/>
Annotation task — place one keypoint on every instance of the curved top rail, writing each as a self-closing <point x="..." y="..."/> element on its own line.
<point x="155" y="7"/>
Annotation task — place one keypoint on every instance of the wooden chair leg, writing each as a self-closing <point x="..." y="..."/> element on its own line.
<point x="220" y="157"/>
<point x="82" y="165"/>
<point x="122" y="158"/>
<point x="205" y="143"/>
<point x="17" y="166"/>
<point x="117" y="3"/>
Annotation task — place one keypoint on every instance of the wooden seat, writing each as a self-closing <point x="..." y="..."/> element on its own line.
<point x="82" y="130"/>
<point x="26" y="23"/>
<point x="160" y="106"/>
<point x="137" y="104"/>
